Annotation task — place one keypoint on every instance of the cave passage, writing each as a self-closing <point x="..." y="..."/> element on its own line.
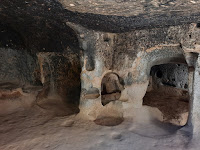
<point x="111" y="88"/>
<point x="168" y="91"/>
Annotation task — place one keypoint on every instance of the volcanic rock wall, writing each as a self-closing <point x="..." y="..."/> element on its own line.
<point x="131" y="56"/>
<point x="70" y="53"/>
<point x="175" y="75"/>
<point x="40" y="61"/>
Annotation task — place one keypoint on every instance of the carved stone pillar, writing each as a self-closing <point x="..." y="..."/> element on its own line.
<point x="194" y="90"/>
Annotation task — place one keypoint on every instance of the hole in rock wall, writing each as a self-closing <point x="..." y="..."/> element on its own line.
<point x="198" y="25"/>
<point x="111" y="88"/>
<point x="39" y="71"/>
<point x="168" y="91"/>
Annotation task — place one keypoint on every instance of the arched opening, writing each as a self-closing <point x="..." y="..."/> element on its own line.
<point x="43" y="59"/>
<point x="168" y="91"/>
<point x="111" y="87"/>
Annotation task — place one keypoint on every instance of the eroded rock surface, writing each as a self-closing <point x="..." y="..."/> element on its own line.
<point x="94" y="59"/>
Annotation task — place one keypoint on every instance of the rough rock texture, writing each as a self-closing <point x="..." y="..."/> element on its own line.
<point x="167" y="91"/>
<point x="130" y="7"/>
<point x="67" y="47"/>
<point x="111" y="84"/>
<point x="51" y="13"/>
<point x="130" y="55"/>
<point x="60" y="72"/>
<point x="175" y="75"/>
<point x="174" y="107"/>
<point x="17" y="69"/>
<point x="111" y="88"/>
<point x="36" y="28"/>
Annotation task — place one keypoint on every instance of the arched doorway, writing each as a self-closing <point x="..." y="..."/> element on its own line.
<point x="111" y="87"/>
<point x="168" y="91"/>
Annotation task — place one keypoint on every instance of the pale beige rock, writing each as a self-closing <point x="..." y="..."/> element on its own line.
<point x="67" y="123"/>
<point x="91" y="96"/>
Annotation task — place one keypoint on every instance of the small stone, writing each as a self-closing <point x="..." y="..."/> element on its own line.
<point x="119" y="1"/>
<point x="116" y="136"/>
<point x="91" y="96"/>
<point x="79" y="3"/>
<point x="43" y="133"/>
<point x="72" y="5"/>
<point x="67" y="123"/>
<point x="82" y="35"/>
<point x="171" y="3"/>
<point x="46" y="146"/>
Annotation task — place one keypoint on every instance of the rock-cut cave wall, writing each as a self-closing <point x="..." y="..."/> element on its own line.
<point x="175" y="75"/>
<point x="40" y="59"/>
<point x="130" y="56"/>
<point x="47" y="48"/>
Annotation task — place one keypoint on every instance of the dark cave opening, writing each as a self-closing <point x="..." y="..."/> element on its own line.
<point x="37" y="55"/>
<point x="111" y="88"/>
<point x="168" y="91"/>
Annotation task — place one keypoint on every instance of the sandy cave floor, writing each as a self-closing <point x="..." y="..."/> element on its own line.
<point x="39" y="129"/>
<point x="172" y="106"/>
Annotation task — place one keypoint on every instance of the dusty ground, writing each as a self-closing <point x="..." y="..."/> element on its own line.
<point x="53" y="125"/>
<point x="174" y="104"/>
<point x="39" y="129"/>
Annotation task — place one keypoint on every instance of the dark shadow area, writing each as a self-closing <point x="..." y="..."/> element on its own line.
<point x="33" y="12"/>
<point x="111" y="88"/>
<point x="109" y="121"/>
<point x="39" y="53"/>
<point x="168" y="91"/>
